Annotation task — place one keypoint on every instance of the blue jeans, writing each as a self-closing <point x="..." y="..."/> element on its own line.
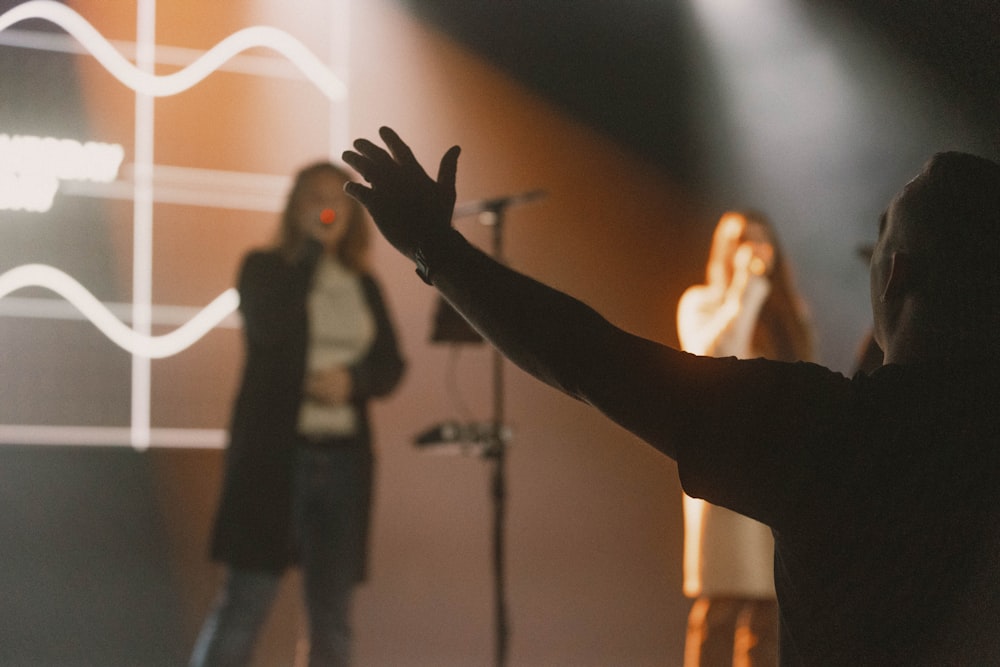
<point x="332" y="492"/>
<point x="227" y="636"/>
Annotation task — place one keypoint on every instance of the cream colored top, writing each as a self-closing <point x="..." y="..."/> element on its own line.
<point x="725" y="554"/>
<point x="341" y="329"/>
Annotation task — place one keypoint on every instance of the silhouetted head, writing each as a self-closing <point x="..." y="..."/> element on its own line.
<point x="935" y="269"/>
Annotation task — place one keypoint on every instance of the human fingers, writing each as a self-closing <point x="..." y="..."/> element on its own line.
<point x="764" y="258"/>
<point x="358" y="191"/>
<point x="367" y="158"/>
<point x="448" y="168"/>
<point x="742" y="256"/>
<point x="399" y="149"/>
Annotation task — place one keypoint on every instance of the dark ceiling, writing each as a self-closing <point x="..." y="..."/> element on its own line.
<point x="628" y="67"/>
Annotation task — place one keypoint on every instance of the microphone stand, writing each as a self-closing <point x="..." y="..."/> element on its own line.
<point x="496" y="451"/>
<point x="491" y="213"/>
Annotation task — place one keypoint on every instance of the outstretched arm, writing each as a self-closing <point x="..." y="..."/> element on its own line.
<point x="561" y="341"/>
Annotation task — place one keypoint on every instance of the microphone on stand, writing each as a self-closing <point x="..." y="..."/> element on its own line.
<point x="449" y="431"/>
<point x="455" y="437"/>
<point x="495" y="204"/>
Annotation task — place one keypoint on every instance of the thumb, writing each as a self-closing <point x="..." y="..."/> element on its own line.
<point x="449" y="168"/>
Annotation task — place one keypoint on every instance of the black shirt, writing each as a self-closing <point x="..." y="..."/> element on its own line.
<point x="883" y="493"/>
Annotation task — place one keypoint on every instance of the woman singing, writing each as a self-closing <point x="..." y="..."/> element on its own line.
<point x="748" y="308"/>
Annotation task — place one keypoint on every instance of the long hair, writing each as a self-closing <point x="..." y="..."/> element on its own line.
<point x="784" y="330"/>
<point x="352" y="251"/>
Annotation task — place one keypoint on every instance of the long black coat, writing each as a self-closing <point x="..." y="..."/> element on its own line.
<point x="253" y="523"/>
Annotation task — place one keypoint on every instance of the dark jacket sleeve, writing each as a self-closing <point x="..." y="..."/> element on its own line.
<point x="381" y="369"/>
<point x="273" y="294"/>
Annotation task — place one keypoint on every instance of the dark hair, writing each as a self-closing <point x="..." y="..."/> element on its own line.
<point x="353" y="248"/>
<point x="783" y="331"/>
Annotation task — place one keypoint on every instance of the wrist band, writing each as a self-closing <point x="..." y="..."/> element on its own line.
<point x="436" y="242"/>
<point x="423" y="270"/>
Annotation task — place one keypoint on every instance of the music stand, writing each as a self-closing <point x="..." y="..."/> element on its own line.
<point x="450" y="327"/>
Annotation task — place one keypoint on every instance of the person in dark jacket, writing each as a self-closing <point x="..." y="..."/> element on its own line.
<point x="298" y="470"/>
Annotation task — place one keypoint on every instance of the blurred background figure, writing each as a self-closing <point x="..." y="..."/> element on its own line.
<point x="748" y="308"/>
<point x="299" y="465"/>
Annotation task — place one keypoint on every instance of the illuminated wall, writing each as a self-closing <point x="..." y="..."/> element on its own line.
<point x="210" y="123"/>
<point x="221" y="153"/>
<point x="175" y="214"/>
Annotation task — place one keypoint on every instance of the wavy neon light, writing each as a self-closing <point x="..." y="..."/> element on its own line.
<point x="152" y="347"/>
<point x="136" y="70"/>
<point x="171" y="84"/>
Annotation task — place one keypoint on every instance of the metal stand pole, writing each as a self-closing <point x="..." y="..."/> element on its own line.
<point x="497" y="453"/>
<point x="491" y="213"/>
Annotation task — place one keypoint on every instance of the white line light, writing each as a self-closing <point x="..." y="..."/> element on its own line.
<point x="171" y="84"/>
<point x="60" y="309"/>
<point x="189" y="186"/>
<point x="142" y="221"/>
<point x="147" y="346"/>
<point x="178" y="56"/>
<point x="108" y="436"/>
<point x="118" y="58"/>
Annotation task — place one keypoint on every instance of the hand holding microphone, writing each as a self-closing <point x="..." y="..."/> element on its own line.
<point x="754" y="258"/>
